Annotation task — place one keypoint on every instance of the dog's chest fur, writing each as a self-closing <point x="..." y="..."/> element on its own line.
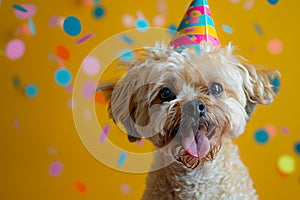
<point x="225" y="178"/>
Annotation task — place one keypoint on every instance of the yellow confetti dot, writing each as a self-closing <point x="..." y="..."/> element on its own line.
<point x="286" y="164"/>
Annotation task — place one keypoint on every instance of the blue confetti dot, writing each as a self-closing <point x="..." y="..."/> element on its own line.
<point x="227" y="29"/>
<point x="273" y="2"/>
<point x="31" y="27"/>
<point x="276" y="83"/>
<point x="122" y="158"/>
<point x="99" y="12"/>
<point x="172" y="29"/>
<point x="72" y="26"/>
<point x="127" y="55"/>
<point x="31" y="90"/>
<point x="142" y="24"/>
<point x="297" y="148"/>
<point x="62" y="77"/>
<point x="261" y="136"/>
<point x="127" y="39"/>
<point x="258" y="29"/>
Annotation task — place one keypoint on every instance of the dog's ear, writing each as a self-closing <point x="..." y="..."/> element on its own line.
<point x="121" y="110"/>
<point x="258" y="86"/>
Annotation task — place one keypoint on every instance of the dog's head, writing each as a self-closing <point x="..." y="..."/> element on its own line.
<point x="186" y="101"/>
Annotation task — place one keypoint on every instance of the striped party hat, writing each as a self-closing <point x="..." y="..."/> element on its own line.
<point x="196" y="26"/>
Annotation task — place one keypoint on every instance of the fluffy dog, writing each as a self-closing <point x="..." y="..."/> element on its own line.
<point x="190" y="106"/>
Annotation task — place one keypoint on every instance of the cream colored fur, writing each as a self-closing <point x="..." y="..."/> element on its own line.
<point x="134" y="102"/>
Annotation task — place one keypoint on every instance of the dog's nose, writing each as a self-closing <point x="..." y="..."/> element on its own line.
<point x="194" y="108"/>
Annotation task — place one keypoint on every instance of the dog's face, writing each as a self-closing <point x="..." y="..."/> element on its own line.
<point x="187" y="103"/>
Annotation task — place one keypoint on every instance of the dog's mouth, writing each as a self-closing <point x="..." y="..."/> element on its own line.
<point x="194" y="144"/>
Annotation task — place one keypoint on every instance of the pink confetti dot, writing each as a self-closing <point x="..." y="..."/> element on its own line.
<point x="16" y="124"/>
<point x="15" y="49"/>
<point x="89" y="89"/>
<point x="275" y="46"/>
<point x="128" y="20"/>
<point x="159" y="20"/>
<point x="271" y="130"/>
<point x="52" y="150"/>
<point x="162" y="6"/>
<point x="30" y="8"/>
<point x="55" y="168"/>
<point x="87" y="114"/>
<point x="53" y="21"/>
<point x="104" y="133"/>
<point x="249" y="4"/>
<point x="235" y="1"/>
<point x="284" y="130"/>
<point x="125" y="188"/>
<point x="140" y="143"/>
<point x="91" y="65"/>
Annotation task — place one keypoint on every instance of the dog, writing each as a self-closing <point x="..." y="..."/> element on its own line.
<point x="190" y="106"/>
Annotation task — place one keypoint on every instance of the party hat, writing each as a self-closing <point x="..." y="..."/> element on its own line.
<point x="196" y="26"/>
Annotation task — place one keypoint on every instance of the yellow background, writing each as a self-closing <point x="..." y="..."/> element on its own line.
<point x="47" y="133"/>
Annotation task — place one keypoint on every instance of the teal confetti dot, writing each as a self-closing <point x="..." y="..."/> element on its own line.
<point x="31" y="90"/>
<point x="261" y="136"/>
<point x="276" y="83"/>
<point x="297" y="147"/>
<point x="258" y="29"/>
<point x="99" y="12"/>
<point x="127" y="55"/>
<point x="20" y="8"/>
<point x="63" y="77"/>
<point x="273" y="2"/>
<point x="31" y="27"/>
<point x="142" y="24"/>
<point x="16" y="82"/>
<point x="72" y="26"/>
<point x="127" y="39"/>
<point x="172" y="29"/>
<point x="122" y="158"/>
<point x="227" y="29"/>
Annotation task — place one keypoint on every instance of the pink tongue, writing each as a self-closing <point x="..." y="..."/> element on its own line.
<point x="197" y="146"/>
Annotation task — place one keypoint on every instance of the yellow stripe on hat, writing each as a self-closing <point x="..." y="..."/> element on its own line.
<point x="200" y="30"/>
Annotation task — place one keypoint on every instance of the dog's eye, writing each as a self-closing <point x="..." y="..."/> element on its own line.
<point x="166" y="94"/>
<point x="216" y="89"/>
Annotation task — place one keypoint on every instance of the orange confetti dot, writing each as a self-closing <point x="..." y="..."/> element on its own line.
<point x="62" y="52"/>
<point x="80" y="187"/>
<point x="99" y="97"/>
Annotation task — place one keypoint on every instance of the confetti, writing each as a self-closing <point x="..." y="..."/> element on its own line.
<point x="84" y="38"/>
<point x="80" y="187"/>
<point x="71" y="103"/>
<point x="172" y="29"/>
<point x="89" y="89"/>
<point x="249" y="4"/>
<point x="72" y="26"/>
<point x="87" y="114"/>
<point x="24" y="11"/>
<point x="261" y="136"/>
<point x="125" y="188"/>
<point x="55" y="168"/>
<point x="140" y="143"/>
<point x="62" y="77"/>
<point x="297" y="147"/>
<point x="127" y="55"/>
<point x="104" y="133"/>
<point x="16" y="124"/>
<point x="91" y="65"/>
<point x="62" y="52"/>
<point x="52" y="150"/>
<point x="227" y="28"/>
<point x="69" y="88"/>
<point x="54" y="21"/>
<point x="275" y="46"/>
<point x="258" y="29"/>
<point x="99" y="12"/>
<point x="16" y="82"/>
<point x="271" y="130"/>
<point x="286" y="164"/>
<point x="20" y="8"/>
<point x="128" y="20"/>
<point x="235" y="1"/>
<point x="142" y="24"/>
<point x="284" y="130"/>
<point x="31" y="90"/>
<point x="273" y="2"/>
<point x="159" y="20"/>
<point x="31" y="26"/>
<point x="127" y="39"/>
<point x="15" y="49"/>
<point x="276" y="83"/>
<point x="122" y="158"/>
<point x="99" y="98"/>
